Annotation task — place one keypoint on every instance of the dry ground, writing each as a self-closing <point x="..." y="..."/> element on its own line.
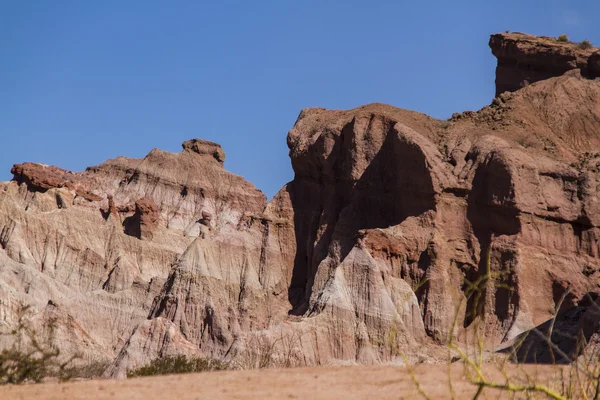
<point x="360" y="382"/>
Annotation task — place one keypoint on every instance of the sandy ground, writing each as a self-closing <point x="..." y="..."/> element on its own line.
<point x="361" y="382"/>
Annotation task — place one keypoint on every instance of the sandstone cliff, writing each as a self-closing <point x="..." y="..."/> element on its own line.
<point x="367" y="255"/>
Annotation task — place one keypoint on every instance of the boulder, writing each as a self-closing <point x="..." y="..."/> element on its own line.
<point x="204" y="147"/>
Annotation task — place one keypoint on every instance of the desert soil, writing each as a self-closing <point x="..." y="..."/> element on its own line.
<point x="347" y="382"/>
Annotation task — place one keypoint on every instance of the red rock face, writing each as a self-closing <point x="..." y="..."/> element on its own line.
<point x="442" y="205"/>
<point x="525" y="59"/>
<point x="40" y="177"/>
<point x="144" y="221"/>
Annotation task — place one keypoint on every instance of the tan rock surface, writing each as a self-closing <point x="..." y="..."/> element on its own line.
<point x="103" y="260"/>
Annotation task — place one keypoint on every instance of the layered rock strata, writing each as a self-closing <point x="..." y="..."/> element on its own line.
<point x="397" y="232"/>
<point x="525" y="59"/>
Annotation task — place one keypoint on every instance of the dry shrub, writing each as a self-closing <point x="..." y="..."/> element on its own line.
<point x="584" y="45"/>
<point x="265" y="351"/>
<point x="178" y="365"/>
<point x="30" y="359"/>
<point x="578" y="370"/>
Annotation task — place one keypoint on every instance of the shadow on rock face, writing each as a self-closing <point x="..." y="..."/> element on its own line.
<point x="144" y="221"/>
<point x="559" y="340"/>
<point x="395" y="184"/>
<point x="593" y="67"/>
<point x="492" y="211"/>
<point x="131" y="226"/>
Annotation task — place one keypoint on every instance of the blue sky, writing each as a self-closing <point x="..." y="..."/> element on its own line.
<point x="84" y="81"/>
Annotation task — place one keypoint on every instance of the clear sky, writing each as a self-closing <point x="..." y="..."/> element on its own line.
<point x="83" y="81"/>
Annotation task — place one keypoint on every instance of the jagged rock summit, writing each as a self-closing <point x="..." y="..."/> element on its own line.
<point x="525" y="59"/>
<point x="202" y="147"/>
<point x="365" y="256"/>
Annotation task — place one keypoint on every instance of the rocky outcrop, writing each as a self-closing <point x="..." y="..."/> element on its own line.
<point x="525" y="59"/>
<point x="439" y="206"/>
<point x="39" y="177"/>
<point x="144" y="221"/>
<point x="204" y="147"/>
<point x="497" y="193"/>
<point x="397" y="231"/>
<point x="85" y="254"/>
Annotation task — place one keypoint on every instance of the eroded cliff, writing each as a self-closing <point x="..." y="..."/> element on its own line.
<point x="368" y="255"/>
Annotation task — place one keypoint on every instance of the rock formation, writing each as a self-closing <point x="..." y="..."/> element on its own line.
<point x="525" y="59"/>
<point x="370" y="252"/>
<point x="144" y="221"/>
